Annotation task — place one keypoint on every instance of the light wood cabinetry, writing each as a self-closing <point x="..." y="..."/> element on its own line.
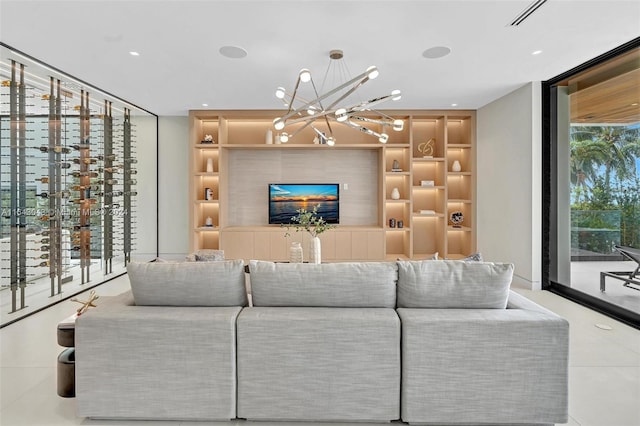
<point x="396" y="198"/>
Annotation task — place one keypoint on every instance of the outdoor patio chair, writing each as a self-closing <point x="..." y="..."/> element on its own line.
<point x="630" y="279"/>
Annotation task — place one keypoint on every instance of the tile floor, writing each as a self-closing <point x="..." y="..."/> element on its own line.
<point x="604" y="376"/>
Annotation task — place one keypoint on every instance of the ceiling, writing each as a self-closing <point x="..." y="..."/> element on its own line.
<point x="180" y="68"/>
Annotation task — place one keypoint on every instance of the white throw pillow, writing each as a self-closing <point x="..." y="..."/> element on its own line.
<point x="188" y="283"/>
<point x="453" y="284"/>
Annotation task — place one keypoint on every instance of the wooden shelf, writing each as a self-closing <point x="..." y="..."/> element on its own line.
<point x="300" y="146"/>
<point x="460" y="229"/>
<point x="427" y="160"/>
<point x="240" y="150"/>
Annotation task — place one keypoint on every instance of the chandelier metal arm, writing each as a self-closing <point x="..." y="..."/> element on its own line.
<point x="312" y="110"/>
<point x="362" y="128"/>
<point x="349" y="92"/>
<point x="320" y="98"/>
<point x="295" y="91"/>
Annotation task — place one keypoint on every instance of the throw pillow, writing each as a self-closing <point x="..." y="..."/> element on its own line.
<point x="188" y="283"/>
<point x="347" y="284"/>
<point x="453" y="284"/>
<point x="205" y="255"/>
<point x="475" y="257"/>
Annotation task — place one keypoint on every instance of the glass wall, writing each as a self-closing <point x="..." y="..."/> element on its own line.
<point x="78" y="186"/>
<point x="593" y="183"/>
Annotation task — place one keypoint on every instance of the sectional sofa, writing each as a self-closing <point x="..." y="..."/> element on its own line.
<point x="422" y="342"/>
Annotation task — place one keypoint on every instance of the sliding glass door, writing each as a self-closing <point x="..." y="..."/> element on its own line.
<point x="592" y="183"/>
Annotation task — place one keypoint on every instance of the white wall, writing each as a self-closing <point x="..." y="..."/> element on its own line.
<point x="509" y="184"/>
<point x="173" y="186"/>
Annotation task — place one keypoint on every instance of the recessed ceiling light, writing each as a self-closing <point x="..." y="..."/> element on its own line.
<point x="536" y="52"/>
<point x="233" y="52"/>
<point x="205" y="105"/>
<point x="454" y="105"/>
<point x="436" y="52"/>
<point x="634" y="104"/>
<point x="134" y="53"/>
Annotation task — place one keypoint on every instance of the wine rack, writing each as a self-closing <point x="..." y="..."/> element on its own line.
<point x="68" y="183"/>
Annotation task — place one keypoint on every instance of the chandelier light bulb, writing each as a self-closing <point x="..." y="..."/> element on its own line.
<point x="372" y="72"/>
<point x="398" y="125"/>
<point x="280" y="93"/>
<point x="331" y="141"/>
<point x="311" y="110"/>
<point x="341" y="114"/>
<point x="278" y="123"/>
<point x="305" y="75"/>
<point x="284" y="137"/>
<point x="383" y="138"/>
<point x="396" y="95"/>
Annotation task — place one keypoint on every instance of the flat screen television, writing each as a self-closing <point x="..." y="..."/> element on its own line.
<point x="286" y="198"/>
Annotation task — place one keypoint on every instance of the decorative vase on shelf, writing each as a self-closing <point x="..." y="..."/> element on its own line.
<point x="295" y="252"/>
<point x="208" y="221"/>
<point x="209" y="165"/>
<point x="315" y="250"/>
<point x="269" y="137"/>
<point x="395" y="194"/>
<point x="455" y="167"/>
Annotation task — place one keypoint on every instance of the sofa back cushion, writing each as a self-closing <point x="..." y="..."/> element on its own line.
<point x="188" y="283"/>
<point x="349" y="285"/>
<point x="453" y="284"/>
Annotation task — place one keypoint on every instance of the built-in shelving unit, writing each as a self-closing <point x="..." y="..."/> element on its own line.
<point x="396" y="198"/>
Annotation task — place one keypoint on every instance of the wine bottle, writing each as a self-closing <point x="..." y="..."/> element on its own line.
<point x="57" y="149"/>
<point x="132" y="171"/>
<point x="62" y="165"/>
<point x="106" y="157"/>
<point x="44" y="179"/>
<point x="80" y="146"/>
<point x="130" y="160"/>
<point x="84" y="160"/>
<point x="44" y="256"/>
<point x="43" y="264"/>
<point x="107" y="182"/>
<point x="80" y="174"/>
<point x="85" y="200"/>
<point x="44" y="248"/>
<point x="108" y="169"/>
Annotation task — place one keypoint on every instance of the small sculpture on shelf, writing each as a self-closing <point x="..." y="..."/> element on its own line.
<point x="456" y="219"/>
<point x="396" y="166"/>
<point x="208" y="139"/>
<point x="427" y="148"/>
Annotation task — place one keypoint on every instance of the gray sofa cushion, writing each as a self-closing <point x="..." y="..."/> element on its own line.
<point x="188" y="283"/>
<point x="347" y="285"/>
<point x="318" y="364"/>
<point x="453" y="284"/>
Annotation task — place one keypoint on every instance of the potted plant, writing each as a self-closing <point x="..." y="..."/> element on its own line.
<point x="314" y="224"/>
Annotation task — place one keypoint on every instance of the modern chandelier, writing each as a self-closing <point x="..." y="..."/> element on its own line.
<point x="328" y="107"/>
